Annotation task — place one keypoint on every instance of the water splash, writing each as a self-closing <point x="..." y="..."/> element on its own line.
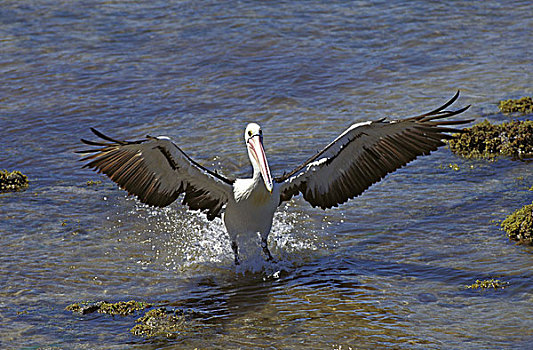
<point x="186" y="242"/>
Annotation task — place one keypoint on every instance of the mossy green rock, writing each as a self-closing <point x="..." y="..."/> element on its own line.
<point x="485" y="284"/>
<point x="522" y="105"/>
<point x="93" y="182"/>
<point x="519" y="225"/>
<point x="121" y="308"/>
<point x="160" y="322"/>
<point x="12" y="181"/>
<point x="486" y="140"/>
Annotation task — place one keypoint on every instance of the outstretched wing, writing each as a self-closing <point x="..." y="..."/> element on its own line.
<point x="157" y="172"/>
<point x="364" y="153"/>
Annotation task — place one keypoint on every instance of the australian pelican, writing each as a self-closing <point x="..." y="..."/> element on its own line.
<point x="157" y="171"/>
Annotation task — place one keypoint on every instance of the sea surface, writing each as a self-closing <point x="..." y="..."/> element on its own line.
<point x="388" y="269"/>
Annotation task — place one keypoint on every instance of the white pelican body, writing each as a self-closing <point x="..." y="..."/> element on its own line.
<point x="250" y="212"/>
<point x="157" y="171"/>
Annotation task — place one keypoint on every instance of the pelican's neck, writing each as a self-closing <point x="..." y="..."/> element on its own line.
<point x="246" y="188"/>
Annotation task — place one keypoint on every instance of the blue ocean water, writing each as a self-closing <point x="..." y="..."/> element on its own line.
<point x="385" y="270"/>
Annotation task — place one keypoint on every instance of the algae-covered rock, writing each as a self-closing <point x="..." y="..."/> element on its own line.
<point x="485" y="284"/>
<point x="121" y="308"/>
<point x="156" y="322"/>
<point x="519" y="225"/>
<point x="160" y="322"/>
<point x="522" y="105"/>
<point x="84" y="307"/>
<point x="12" y="181"/>
<point x="486" y="140"/>
<point x="93" y="182"/>
<point x="454" y="166"/>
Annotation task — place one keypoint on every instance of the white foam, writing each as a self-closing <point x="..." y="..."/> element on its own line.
<point x="186" y="242"/>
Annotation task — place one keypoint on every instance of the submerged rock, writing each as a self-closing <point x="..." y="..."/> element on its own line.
<point x="519" y="225"/>
<point x="121" y="308"/>
<point x="486" y="140"/>
<point x="522" y="105"/>
<point x="160" y="322"/>
<point x="12" y="181"/>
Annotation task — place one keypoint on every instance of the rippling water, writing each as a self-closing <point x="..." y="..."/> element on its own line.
<point x="387" y="269"/>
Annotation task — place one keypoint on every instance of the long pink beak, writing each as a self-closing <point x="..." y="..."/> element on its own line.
<point x="256" y="146"/>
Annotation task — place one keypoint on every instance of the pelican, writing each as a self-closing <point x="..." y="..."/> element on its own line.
<point x="157" y="171"/>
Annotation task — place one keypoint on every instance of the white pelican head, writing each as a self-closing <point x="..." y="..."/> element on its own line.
<point x="253" y="136"/>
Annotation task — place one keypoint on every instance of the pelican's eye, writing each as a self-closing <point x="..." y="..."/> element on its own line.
<point x="260" y="132"/>
<point x="249" y="132"/>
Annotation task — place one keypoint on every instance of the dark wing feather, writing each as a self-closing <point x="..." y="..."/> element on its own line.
<point x="157" y="172"/>
<point x="366" y="152"/>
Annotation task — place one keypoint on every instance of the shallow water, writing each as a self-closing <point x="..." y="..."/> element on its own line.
<point x="387" y="269"/>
